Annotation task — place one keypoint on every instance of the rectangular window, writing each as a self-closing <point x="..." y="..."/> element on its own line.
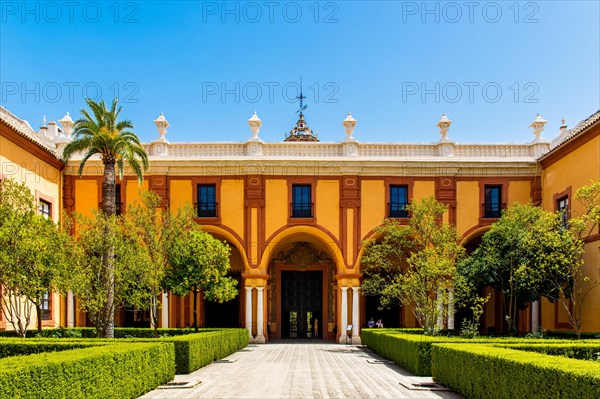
<point x="301" y="201"/>
<point x="45" y="209"/>
<point x="492" y="205"/>
<point x="562" y="206"/>
<point x="398" y="202"/>
<point x="45" y="306"/>
<point x="117" y="199"/>
<point x="207" y="200"/>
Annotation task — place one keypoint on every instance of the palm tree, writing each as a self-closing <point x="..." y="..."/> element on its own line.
<point x="101" y="133"/>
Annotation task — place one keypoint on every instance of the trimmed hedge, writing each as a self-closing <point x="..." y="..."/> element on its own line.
<point x="192" y="350"/>
<point x="572" y="335"/>
<point x="109" y="371"/>
<point x="484" y="371"/>
<point x="90" y="332"/>
<point x="18" y="346"/>
<point x="198" y="350"/>
<point x="577" y="350"/>
<point x="413" y="351"/>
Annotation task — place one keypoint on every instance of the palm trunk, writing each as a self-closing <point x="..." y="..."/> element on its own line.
<point x="109" y="209"/>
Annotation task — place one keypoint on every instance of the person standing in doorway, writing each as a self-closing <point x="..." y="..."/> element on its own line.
<point x="316" y="328"/>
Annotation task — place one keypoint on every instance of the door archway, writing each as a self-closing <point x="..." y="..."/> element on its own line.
<point x="302" y="290"/>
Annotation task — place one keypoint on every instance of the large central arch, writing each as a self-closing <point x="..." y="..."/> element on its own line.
<point x="301" y="261"/>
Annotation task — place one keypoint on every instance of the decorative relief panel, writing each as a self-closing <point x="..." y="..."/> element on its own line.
<point x="302" y="254"/>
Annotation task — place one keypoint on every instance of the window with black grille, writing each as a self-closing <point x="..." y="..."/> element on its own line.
<point x="45" y="209"/>
<point x="492" y="204"/>
<point x="398" y="202"/>
<point x="302" y="206"/>
<point x="562" y="206"/>
<point x="207" y="200"/>
<point x="45" y="306"/>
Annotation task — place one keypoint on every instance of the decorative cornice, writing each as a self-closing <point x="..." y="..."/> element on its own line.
<point x="23" y="129"/>
<point x="304" y="150"/>
<point x="328" y="168"/>
<point x="30" y="145"/>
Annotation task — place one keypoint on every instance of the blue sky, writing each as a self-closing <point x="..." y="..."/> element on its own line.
<point x="396" y="65"/>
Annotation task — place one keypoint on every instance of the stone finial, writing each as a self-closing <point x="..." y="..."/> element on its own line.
<point x="162" y="124"/>
<point x="563" y="124"/>
<point x="538" y="126"/>
<point x="349" y="124"/>
<point x="444" y="126"/>
<point x="255" y="124"/>
<point x="67" y="124"/>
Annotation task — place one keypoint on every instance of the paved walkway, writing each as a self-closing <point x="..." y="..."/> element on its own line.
<point x="300" y="370"/>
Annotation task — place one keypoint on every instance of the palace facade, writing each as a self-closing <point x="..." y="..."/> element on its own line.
<point x="296" y="212"/>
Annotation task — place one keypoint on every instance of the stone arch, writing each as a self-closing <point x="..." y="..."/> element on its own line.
<point x="321" y="239"/>
<point x="395" y="315"/>
<point x="302" y="248"/>
<point x="227" y="314"/>
<point x="472" y="238"/>
<point x="232" y="239"/>
<point x="474" y="233"/>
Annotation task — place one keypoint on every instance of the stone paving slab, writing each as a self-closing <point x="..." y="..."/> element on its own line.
<point x="301" y="370"/>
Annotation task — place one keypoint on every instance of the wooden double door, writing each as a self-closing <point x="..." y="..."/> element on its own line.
<point x="302" y="304"/>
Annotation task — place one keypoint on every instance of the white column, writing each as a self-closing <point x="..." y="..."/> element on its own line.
<point x="344" y="315"/>
<point x="355" y="316"/>
<point x="260" y="334"/>
<point x="535" y="316"/>
<point x="249" y="310"/>
<point x="70" y="309"/>
<point x="165" y="310"/>
<point x="440" y="309"/>
<point x="451" y="309"/>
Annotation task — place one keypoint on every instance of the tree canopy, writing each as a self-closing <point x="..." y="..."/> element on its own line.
<point x="199" y="262"/>
<point x="33" y="255"/>
<point x="524" y="255"/>
<point x="155" y="227"/>
<point x="414" y="264"/>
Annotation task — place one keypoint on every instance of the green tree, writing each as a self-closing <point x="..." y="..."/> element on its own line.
<point x="101" y="133"/>
<point x="129" y="287"/>
<point x="199" y="262"/>
<point x="574" y="281"/>
<point x="522" y="256"/>
<point x="32" y="253"/>
<point x="155" y="227"/>
<point x="414" y="264"/>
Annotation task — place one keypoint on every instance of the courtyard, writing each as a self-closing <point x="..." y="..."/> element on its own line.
<point x="300" y="370"/>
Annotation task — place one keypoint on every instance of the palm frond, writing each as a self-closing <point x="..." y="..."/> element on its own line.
<point x="91" y="152"/>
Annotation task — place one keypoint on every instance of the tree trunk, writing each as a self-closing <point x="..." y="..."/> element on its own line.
<point x="38" y="310"/>
<point x="109" y="209"/>
<point x="109" y="206"/>
<point x="195" y="310"/>
<point x="155" y="315"/>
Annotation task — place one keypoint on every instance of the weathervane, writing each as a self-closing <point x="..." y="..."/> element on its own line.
<point x="301" y="98"/>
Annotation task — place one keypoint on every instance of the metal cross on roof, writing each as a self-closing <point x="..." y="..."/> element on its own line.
<point x="301" y="98"/>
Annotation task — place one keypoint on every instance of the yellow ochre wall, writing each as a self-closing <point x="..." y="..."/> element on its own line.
<point x="232" y="205"/>
<point x="573" y="170"/>
<point x="20" y="165"/>
<point x="276" y="211"/>
<point x="372" y="205"/>
<point x="327" y="205"/>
